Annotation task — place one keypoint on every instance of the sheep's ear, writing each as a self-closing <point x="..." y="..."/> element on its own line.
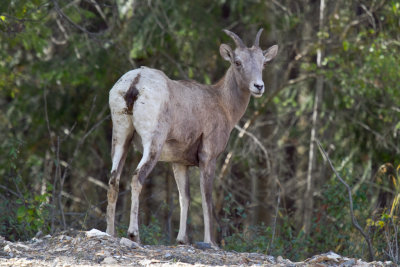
<point x="226" y="52"/>
<point x="270" y="53"/>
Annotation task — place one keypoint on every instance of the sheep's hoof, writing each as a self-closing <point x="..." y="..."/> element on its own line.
<point x="184" y="241"/>
<point x="134" y="237"/>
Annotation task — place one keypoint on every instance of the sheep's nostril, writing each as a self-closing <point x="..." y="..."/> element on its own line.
<point x="259" y="86"/>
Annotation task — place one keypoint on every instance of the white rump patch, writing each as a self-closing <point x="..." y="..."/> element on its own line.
<point x="153" y="95"/>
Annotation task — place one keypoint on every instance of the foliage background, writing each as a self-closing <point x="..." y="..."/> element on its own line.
<point x="335" y="79"/>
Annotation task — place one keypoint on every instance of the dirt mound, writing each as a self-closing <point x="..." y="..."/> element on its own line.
<point x="96" y="248"/>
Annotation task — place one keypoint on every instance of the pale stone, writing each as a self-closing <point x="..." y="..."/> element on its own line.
<point x="96" y="233"/>
<point x="279" y="259"/>
<point x="333" y="256"/>
<point x="129" y="243"/>
<point x="7" y="248"/>
<point x="109" y="260"/>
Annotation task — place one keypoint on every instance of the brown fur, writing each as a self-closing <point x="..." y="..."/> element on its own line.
<point x="131" y="95"/>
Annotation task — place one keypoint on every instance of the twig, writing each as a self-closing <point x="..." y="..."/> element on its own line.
<point x="377" y="134"/>
<point x="9" y="190"/>
<point x="58" y="174"/>
<point x="99" y="10"/>
<point x="54" y="149"/>
<point x="80" y="201"/>
<point x="93" y="128"/>
<point x="97" y="182"/>
<point x="392" y="252"/>
<point x="285" y="9"/>
<point x="271" y="243"/>
<point x="46" y="116"/>
<point x="258" y="142"/>
<point x="362" y="18"/>
<point x="181" y="72"/>
<point x="353" y="218"/>
<point x="62" y="14"/>
<point x="66" y="170"/>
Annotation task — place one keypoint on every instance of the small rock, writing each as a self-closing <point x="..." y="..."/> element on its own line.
<point x="21" y="246"/>
<point x="47" y="236"/>
<point x="64" y="237"/>
<point x="76" y="241"/>
<point x="61" y="249"/>
<point x="109" y="260"/>
<point x="36" y="240"/>
<point x="279" y="259"/>
<point x="167" y="255"/>
<point x="253" y="254"/>
<point x="348" y="263"/>
<point x="202" y="245"/>
<point x="103" y="253"/>
<point x="96" y="233"/>
<point x="333" y="256"/>
<point x="128" y="243"/>
<point x="7" y="248"/>
<point x="39" y="234"/>
<point x="55" y="262"/>
<point x="270" y="259"/>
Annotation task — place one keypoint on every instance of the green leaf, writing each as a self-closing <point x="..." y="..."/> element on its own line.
<point x="397" y="126"/>
<point x="21" y="212"/>
<point x="345" y="45"/>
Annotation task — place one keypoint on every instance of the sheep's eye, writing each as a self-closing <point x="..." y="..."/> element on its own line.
<point x="265" y="64"/>
<point x="238" y="63"/>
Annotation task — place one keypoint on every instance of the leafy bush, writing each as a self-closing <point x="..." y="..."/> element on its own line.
<point x="24" y="213"/>
<point x="153" y="234"/>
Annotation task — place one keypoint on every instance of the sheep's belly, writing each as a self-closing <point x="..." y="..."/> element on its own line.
<point x="175" y="152"/>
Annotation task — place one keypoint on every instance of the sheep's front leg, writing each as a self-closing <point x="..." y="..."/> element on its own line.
<point x="207" y="173"/>
<point x="182" y="181"/>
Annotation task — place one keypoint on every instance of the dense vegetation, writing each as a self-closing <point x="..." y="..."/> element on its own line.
<point x="335" y="79"/>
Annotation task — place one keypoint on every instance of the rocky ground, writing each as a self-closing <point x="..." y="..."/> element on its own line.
<point x="96" y="248"/>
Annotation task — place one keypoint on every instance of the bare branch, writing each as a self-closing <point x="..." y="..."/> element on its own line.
<point x="9" y="190"/>
<point x="46" y="116"/>
<point x="58" y="174"/>
<point x="285" y="9"/>
<point x="63" y="15"/>
<point x="271" y="243"/>
<point x="258" y="143"/>
<point x="353" y="218"/>
<point x="97" y="182"/>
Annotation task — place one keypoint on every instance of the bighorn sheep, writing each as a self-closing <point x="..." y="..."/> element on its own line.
<point x="182" y="122"/>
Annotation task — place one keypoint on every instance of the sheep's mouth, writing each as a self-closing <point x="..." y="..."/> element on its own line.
<point x="258" y="94"/>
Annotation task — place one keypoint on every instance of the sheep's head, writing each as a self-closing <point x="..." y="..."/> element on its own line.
<point x="248" y="63"/>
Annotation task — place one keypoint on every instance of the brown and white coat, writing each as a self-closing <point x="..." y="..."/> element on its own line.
<point x="182" y="122"/>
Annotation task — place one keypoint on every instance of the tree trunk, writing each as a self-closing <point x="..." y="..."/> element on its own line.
<point x="308" y="197"/>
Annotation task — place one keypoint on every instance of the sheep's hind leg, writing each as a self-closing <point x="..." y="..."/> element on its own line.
<point x="121" y="139"/>
<point x="151" y="153"/>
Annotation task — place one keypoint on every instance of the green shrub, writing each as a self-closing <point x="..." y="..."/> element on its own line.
<point x="23" y="212"/>
<point x="153" y="234"/>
